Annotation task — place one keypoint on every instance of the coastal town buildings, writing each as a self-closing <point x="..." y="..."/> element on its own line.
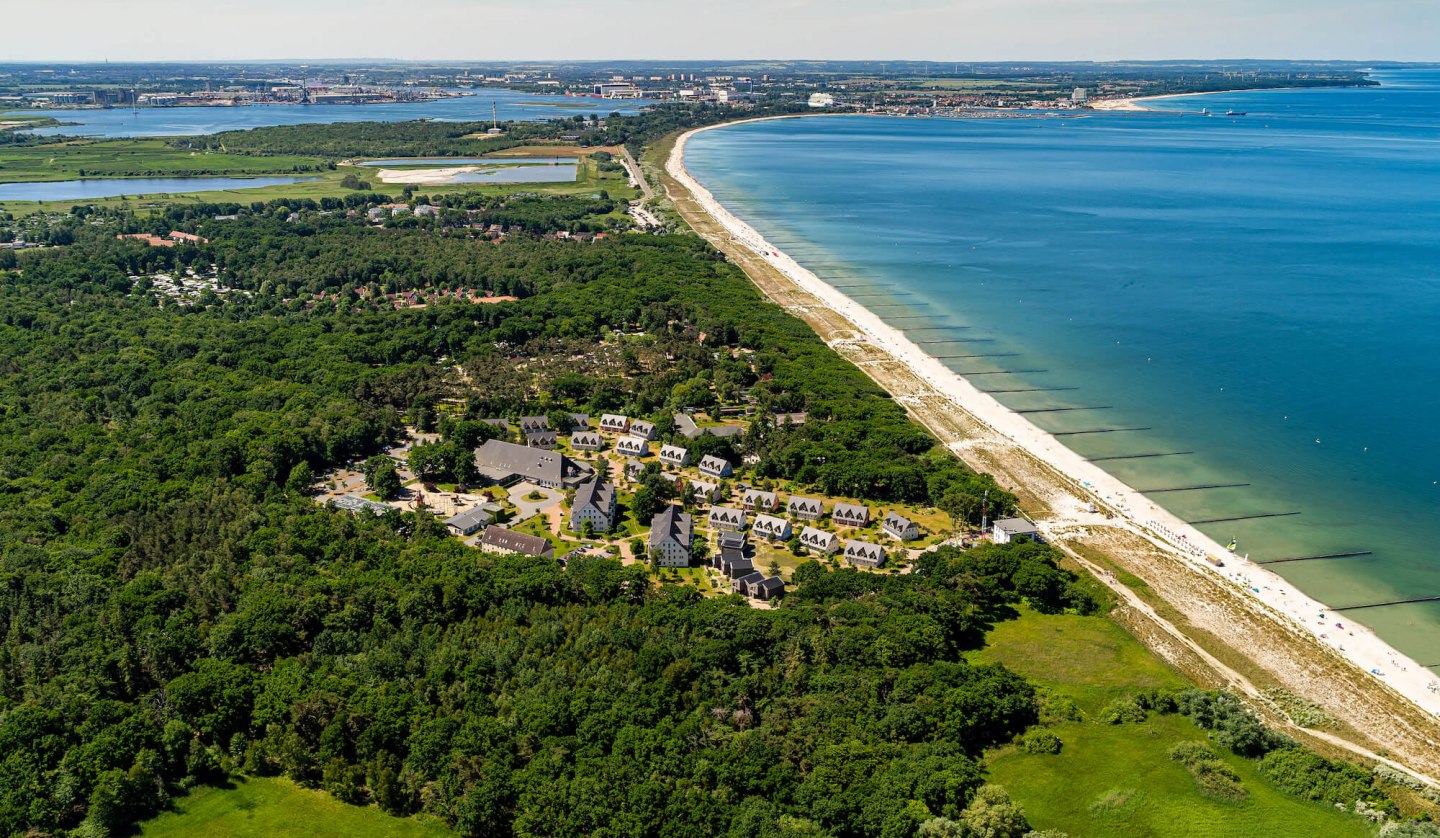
<point x="771" y="528"/>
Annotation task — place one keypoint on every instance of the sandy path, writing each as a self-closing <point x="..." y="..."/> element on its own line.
<point x="1058" y="485"/>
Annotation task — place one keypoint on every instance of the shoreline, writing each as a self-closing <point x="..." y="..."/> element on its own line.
<point x="1128" y="103"/>
<point x="1286" y="606"/>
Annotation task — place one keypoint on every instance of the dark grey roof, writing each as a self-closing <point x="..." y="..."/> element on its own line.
<point x="674" y="522"/>
<point x="686" y="426"/>
<point x="471" y="519"/>
<point x="772" y="584"/>
<point x="541" y="438"/>
<point x="740" y="567"/>
<point x="596" y="493"/>
<point x="731" y="539"/>
<point x="897" y="521"/>
<point x="864" y="550"/>
<point x="534" y="423"/>
<point x="580" y="421"/>
<point x="530" y="463"/>
<point x="515" y="542"/>
<point x="751" y="578"/>
<point x="1016" y="526"/>
<point x="800" y="504"/>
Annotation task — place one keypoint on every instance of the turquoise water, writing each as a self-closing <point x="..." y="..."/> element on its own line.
<point x="190" y="122"/>
<point x="1262" y="291"/>
<point x="74" y="190"/>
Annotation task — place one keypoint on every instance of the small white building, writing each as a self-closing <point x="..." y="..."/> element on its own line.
<point x="864" y="554"/>
<point x="705" y="491"/>
<point x="614" y="423"/>
<point x="851" y="514"/>
<point x="820" y="541"/>
<point x="821" y="100"/>
<point x="900" y="527"/>
<point x="726" y="518"/>
<point x="755" y="500"/>
<point x="712" y="466"/>
<point x="674" y="455"/>
<point x="587" y="441"/>
<point x="771" y="527"/>
<point x="1007" y="530"/>
<point x="806" y="509"/>
<point x="632" y="446"/>
<point x="644" y="430"/>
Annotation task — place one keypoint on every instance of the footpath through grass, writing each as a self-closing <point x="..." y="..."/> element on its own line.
<point x="1119" y="779"/>
<point x="262" y="807"/>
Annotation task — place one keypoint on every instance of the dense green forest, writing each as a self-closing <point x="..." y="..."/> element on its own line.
<point x="174" y="607"/>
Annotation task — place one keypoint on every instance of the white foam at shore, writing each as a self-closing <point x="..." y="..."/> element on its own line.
<point x="1359" y="645"/>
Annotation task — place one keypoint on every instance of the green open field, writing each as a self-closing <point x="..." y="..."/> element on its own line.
<point x="1117" y="779"/>
<point x="133" y="158"/>
<point x="262" y="807"/>
<point x="327" y="185"/>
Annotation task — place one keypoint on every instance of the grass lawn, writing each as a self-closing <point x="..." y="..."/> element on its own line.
<point x="537" y="525"/>
<point x="134" y="158"/>
<point x="262" y="807"/>
<point x="1117" y="779"/>
<point x="322" y="185"/>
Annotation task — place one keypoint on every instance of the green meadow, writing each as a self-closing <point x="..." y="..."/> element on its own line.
<point x="263" y="807"/>
<point x="1113" y="780"/>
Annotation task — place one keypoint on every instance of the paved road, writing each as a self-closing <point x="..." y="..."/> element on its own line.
<point x="636" y="174"/>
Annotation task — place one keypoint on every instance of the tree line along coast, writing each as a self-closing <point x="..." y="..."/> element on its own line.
<point x="179" y="608"/>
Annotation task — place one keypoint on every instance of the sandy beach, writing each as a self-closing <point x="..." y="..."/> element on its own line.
<point x="427" y="176"/>
<point x="1374" y="662"/>
<point x="1132" y="103"/>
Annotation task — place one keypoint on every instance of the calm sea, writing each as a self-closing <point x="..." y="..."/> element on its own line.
<point x="189" y="122"/>
<point x="1260" y="292"/>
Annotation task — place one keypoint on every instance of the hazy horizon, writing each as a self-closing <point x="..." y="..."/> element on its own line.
<point x="745" y="30"/>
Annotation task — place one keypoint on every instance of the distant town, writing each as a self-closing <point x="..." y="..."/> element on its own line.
<point x="915" y="88"/>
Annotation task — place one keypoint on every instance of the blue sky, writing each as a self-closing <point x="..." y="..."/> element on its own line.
<point x="939" y="30"/>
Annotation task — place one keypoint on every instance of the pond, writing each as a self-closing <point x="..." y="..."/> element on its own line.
<point x="74" y="190"/>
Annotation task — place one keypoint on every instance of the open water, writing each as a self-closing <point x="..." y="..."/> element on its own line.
<point x="195" y="121"/>
<point x="1261" y="292"/>
<point x="77" y="190"/>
